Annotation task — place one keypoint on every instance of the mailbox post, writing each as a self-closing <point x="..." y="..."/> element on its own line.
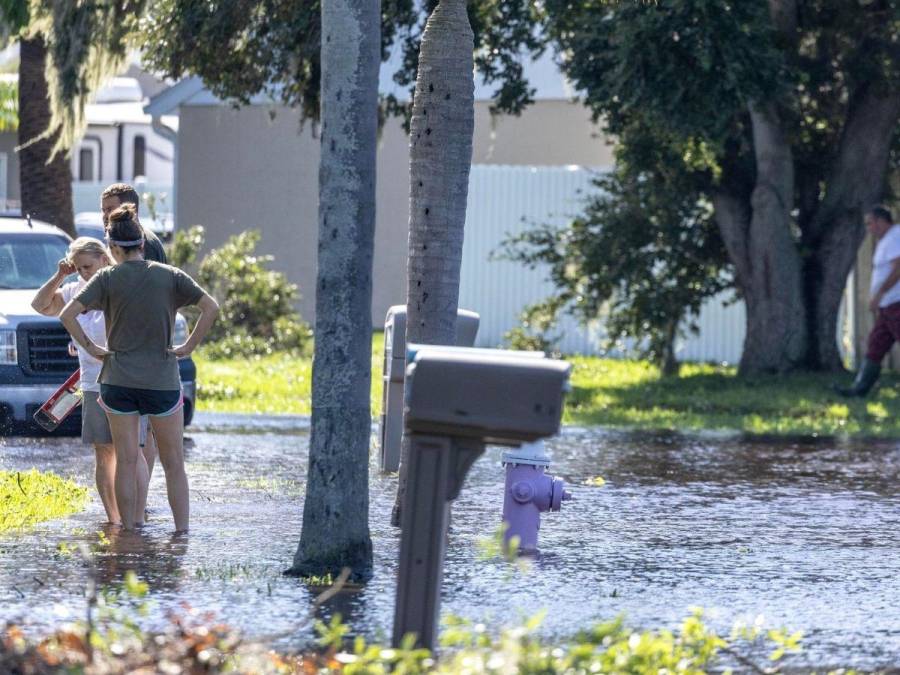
<point x="390" y="432"/>
<point x="458" y="400"/>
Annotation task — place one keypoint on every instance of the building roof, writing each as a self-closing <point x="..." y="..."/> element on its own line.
<point x="542" y="74"/>
<point x="121" y="101"/>
<point x="108" y="114"/>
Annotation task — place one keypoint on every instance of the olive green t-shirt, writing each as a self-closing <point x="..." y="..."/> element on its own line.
<point x="138" y="299"/>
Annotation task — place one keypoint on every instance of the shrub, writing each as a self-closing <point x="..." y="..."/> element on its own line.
<point x="534" y="333"/>
<point x="185" y="248"/>
<point x="256" y="304"/>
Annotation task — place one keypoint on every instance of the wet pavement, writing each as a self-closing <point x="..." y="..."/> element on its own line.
<point x="805" y="532"/>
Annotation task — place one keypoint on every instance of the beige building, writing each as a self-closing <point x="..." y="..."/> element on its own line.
<point x="257" y="167"/>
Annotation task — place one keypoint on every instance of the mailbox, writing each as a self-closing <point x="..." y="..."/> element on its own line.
<point x="390" y="431"/>
<point x="457" y="400"/>
<point x="503" y="399"/>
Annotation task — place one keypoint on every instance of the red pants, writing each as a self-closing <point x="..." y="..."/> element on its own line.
<point x="885" y="332"/>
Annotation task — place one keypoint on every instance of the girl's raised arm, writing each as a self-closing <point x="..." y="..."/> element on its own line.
<point x="49" y="299"/>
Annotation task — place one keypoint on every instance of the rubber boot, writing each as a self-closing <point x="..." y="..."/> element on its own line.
<point x="865" y="380"/>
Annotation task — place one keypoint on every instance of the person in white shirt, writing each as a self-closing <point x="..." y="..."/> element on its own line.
<point x="87" y="256"/>
<point x="884" y="300"/>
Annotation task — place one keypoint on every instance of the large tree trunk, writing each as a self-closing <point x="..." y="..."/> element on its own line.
<point x="46" y="184"/>
<point x="336" y="510"/>
<point x="767" y="263"/>
<point x="793" y="299"/>
<point x="857" y="182"/>
<point x="441" y="130"/>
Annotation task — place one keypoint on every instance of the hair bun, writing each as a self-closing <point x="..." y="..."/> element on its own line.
<point x="123" y="212"/>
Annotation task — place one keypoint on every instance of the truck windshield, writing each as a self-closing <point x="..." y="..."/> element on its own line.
<point x="28" y="260"/>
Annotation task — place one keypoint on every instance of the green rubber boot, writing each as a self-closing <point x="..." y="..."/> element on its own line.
<point x="865" y="380"/>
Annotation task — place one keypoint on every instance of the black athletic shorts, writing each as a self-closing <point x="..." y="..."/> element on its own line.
<point x="131" y="401"/>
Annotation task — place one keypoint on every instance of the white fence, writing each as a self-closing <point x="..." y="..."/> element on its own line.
<point x="505" y="200"/>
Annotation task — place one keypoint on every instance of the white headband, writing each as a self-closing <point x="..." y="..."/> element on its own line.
<point x="126" y="244"/>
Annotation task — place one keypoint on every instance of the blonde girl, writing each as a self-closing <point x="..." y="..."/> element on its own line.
<point x="87" y="256"/>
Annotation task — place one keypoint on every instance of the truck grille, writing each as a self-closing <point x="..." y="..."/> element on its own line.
<point x="48" y="351"/>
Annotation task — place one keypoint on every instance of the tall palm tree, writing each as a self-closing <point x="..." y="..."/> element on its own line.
<point x="440" y="155"/>
<point x="46" y="183"/>
<point x="336" y="509"/>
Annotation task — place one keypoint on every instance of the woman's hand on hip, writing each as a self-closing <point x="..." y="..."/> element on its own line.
<point x="97" y="351"/>
<point x="181" y="351"/>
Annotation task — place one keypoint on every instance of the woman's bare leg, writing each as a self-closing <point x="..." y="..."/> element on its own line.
<point x="105" y="475"/>
<point x="145" y="471"/>
<point x="149" y="450"/>
<point x="142" y="487"/>
<point x="169" y="433"/>
<point x="124" y="430"/>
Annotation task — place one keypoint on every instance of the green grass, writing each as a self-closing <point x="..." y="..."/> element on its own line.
<point x="633" y="394"/>
<point x="614" y="393"/>
<point x="29" y="497"/>
<point x="279" y="383"/>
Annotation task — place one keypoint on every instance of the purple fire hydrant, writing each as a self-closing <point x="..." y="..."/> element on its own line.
<point x="529" y="492"/>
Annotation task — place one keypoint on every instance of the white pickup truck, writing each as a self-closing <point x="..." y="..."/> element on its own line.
<point x="34" y="349"/>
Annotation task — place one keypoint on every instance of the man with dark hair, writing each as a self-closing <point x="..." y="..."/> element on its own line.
<point x="122" y="193"/>
<point x="884" y="299"/>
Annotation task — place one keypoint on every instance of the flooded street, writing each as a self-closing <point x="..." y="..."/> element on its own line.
<point x="806" y="533"/>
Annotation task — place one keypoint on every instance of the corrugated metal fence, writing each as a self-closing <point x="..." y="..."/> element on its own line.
<point x="505" y="200"/>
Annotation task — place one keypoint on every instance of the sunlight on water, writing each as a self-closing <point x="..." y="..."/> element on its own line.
<point x="801" y="531"/>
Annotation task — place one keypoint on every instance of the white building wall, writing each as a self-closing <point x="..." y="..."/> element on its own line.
<point x="159" y="164"/>
<point x="86" y="196"/>
<point x="504" y="200"/>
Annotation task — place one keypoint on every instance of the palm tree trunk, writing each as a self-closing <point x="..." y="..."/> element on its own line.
<point x="46" y="184"/>
<point x="440" y="157"/>
<point x="336" y="510"/>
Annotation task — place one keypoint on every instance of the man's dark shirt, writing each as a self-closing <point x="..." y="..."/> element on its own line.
<point x="153" y="247"/>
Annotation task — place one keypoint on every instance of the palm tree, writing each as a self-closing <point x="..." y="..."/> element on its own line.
<point x="443" y="120"/>
<point x="335" y="530"/>
<point x="46" y="183"/>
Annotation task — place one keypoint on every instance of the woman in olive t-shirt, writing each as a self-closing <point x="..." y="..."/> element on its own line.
<point x="140" y="376"/>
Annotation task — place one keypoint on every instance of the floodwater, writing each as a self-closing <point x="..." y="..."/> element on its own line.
<point x="805" y="532"/>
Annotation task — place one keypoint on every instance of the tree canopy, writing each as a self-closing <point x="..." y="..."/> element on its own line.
<point x="785" y="113"/>
<point x="644" y="254"/>
<point x="781" y="116"/>
<point x="250" y="47"/>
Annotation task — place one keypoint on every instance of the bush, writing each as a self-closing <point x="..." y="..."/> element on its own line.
<point x="289" y="336"/>
<point x="533" y="335"/>
<point x="256" y="304"/>
<point x="185" y="248"/>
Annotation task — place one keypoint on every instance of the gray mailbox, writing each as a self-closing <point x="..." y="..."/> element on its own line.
<point x="393" y="373"/>
<point x="458" y="400"/>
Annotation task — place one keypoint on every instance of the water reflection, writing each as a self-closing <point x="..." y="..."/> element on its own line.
<point x="802" y="531"/>
<point x="156" y="558"/>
